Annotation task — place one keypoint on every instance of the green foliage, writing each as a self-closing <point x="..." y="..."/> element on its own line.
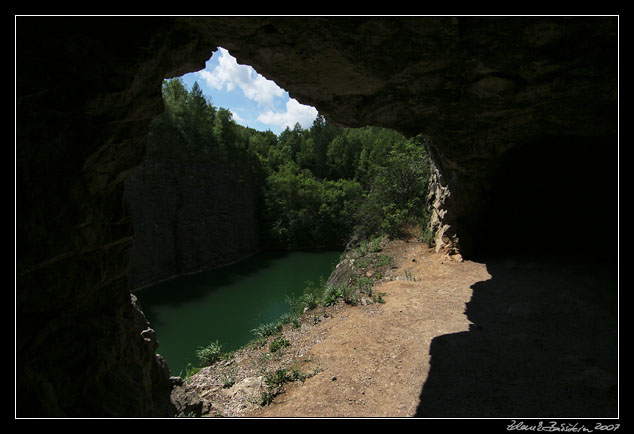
<point x="296" y="305"/>
<point x="315" y="187"/>
<point x="189" y="372"/>
<point x="364" y="284"/>
<point x="351" y="295"/>
<point x="278" y="343"/>
<point x="378" y="297"/>
<point x="290" y="317"/>
<point x="228" y="378"/>
<point x="266" y="330"/>
<point x="302" y="211"/>
<point x="209" y="354"/>
<point x="397" y="193"/>
<point x="409" y="276"/>
<point x="375" y="244"/>
<point x="274" y="382"/>
<point x="332" y="293"/>
<point x="363" y="262"/>
<point x="385" y="261"/>
<point x="312" y="295"/>
<point x="331" y="298"/>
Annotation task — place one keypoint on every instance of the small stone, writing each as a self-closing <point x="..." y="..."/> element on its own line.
<point x="457" y="257"/>
<point x="334" y="378"/>
<point x="176" y="381"/>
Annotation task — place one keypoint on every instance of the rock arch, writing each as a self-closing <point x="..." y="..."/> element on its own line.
<point x="87" y="88"/>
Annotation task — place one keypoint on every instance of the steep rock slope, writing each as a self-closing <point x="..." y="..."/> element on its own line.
<point x="189" y="215"/>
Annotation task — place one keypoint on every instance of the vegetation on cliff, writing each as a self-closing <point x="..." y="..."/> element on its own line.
<point x="318" y="187"/>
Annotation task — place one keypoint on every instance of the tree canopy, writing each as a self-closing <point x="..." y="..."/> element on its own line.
<point x="318" y="186"/>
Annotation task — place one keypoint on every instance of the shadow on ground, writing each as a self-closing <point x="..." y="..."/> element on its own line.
<point x="543" y="343"/>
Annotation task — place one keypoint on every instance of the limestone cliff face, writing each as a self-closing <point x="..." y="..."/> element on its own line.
<point x="520" y="101"/>
<point x="189" y="216"/>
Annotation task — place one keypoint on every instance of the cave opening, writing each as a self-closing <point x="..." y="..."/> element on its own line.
<point x="190" y="217"/>
<point x="194" y="199"/>
<point x="80" y="131"/>
<point x="199" y="267"/>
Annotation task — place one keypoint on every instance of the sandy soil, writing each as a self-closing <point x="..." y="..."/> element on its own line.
<point x="453" y="339"/>
<point x="375" y="358"/>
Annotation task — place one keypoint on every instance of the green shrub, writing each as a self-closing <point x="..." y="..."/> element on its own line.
<point x="364" y="284"/>
<point x="189" y="372"/>
<point x="209" y="354"/>
<point x="360" y="251"/>
<point x="276" y="379"/>
<point x="266" y="330"/>
<point x="330" y="299"/>
<point x="312" y="295"/>
<point x="228" y="378"/>
<point x="378" y="298"/>
<point x="288" y="318"/>
<point x="427" y="235"/>
<point x="278" y="344"/>
<point x="396" y="194"/>
<point x="296" y="304"/>
<point x="362" y="262"/>
<point x="267" y="396"/>
<point x="385" y="260"/>
<point x="350" y="295"/>
<point x="291" y="317"/>
<point x="332" y="293"/>
<point x="375" y="244"/>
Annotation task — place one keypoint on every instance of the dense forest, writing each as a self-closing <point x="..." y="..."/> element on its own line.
<point x="317" y="187"/>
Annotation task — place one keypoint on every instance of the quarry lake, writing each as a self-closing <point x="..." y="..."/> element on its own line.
<point x="226" y="304"/>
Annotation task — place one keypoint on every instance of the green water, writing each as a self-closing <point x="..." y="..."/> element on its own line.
<point x="225" y="304"/>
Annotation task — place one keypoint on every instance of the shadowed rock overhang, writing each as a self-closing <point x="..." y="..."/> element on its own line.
<point x="495" y="96"/>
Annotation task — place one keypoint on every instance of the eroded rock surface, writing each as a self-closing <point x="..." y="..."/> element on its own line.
<point x="189" y="216"/>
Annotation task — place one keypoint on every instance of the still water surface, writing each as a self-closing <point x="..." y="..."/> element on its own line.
<point x="226" y="304"/>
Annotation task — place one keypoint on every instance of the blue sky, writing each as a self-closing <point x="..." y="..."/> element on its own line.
<point x="254" y="101"/>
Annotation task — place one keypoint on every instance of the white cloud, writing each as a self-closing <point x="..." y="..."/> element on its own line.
<point x="236" y="117"/>
<point x="295" y="112"/>
<point x="229" y="75"/>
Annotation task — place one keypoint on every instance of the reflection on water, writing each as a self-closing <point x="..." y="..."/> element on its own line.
<point x="225" y="304"/>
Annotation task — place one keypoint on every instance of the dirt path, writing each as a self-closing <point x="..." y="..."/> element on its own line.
<point x="453" y="339"/>
<point x="374" y="359"/>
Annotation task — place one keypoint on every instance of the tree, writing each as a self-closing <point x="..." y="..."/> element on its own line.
<point x="316" y="187"/>
<point x="175" y="100"/>
<point x="397" y="193"/>
<point x="225" y="132"/>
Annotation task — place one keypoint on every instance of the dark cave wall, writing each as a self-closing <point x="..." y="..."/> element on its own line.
<point x="87" y="89"/>
<point x="555" y="197"/>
